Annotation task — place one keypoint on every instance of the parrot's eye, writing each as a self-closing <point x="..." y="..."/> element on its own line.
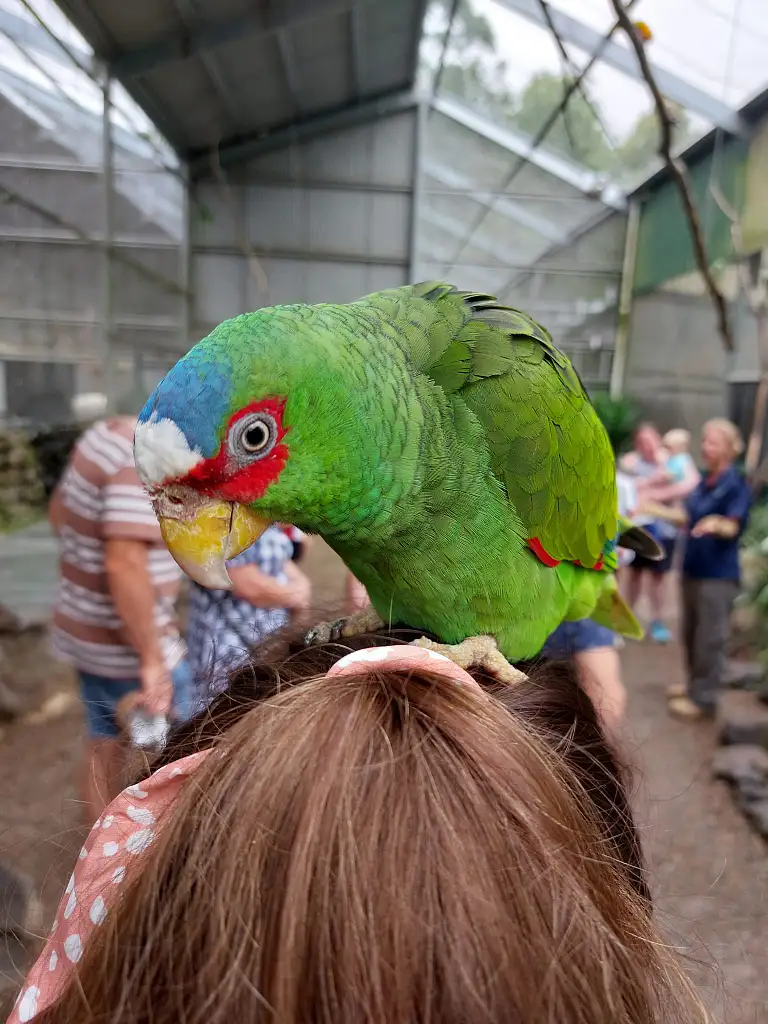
<point x="253" y="436"/>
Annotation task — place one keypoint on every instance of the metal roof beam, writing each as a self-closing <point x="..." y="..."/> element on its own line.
<point x="573" y="236"/>
<point x="509" y="208"/>
<point x="251" y="147"/>
<point x="675" y="88"/>
<point x="579" y="178"/>
<point x="181" y="46"/>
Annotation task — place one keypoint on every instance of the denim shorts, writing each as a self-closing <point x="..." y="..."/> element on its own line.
<point x="574" y="637"/>
<point x="101" y="696"/>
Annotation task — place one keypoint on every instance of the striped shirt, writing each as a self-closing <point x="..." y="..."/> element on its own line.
<point x="102" y="499"/>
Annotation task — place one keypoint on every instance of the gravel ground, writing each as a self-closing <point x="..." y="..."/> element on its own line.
<point x="710" y="872"/>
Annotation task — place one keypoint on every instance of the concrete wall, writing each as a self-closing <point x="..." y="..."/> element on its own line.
<point x="676" y="365"/>
<point x="326" y="220"/>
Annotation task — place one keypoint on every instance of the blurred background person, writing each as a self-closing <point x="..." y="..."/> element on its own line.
<point x="114" y="617"/>
<point x="645" y="463"/>
<point x="679" y="466"/>
<point x="268" y="589"/>
<point x="716" y="514"/>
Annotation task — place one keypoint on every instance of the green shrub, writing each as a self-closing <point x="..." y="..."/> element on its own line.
<point x="619" y="416"/>
<point x="751" y="618"/>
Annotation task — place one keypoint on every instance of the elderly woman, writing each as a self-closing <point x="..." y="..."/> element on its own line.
<point x="716" y="515"/>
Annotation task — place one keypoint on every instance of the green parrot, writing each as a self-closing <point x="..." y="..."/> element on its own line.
<point x="437" y="440"/>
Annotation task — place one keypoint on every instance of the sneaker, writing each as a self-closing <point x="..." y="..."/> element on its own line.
<point x="660" y="634"/>
<point x="677" y="690"/>
<point x="683" y="707"/>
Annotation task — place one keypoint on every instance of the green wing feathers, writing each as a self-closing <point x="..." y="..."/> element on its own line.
<point x="547" y="445"/>
<point x="612" y="611"/>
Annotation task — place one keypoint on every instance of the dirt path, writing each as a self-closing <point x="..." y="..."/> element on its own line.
<point x="709" y="870"/>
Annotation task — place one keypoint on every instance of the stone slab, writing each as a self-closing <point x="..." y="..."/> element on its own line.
<point x="742" y="719"/>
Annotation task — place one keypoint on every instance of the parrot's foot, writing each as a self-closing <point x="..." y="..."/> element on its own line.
<point x="367" y="620"/>
<point x="477" y="652"/>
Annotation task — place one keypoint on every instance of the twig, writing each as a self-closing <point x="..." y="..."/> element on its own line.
<point x="541" y="134"/>
<point x="757" y="301"/>
<point x="253" y="263"/>
<point x="679" y="174"/>
<point x="570" y="69"/>
<point x="438" y="76"/>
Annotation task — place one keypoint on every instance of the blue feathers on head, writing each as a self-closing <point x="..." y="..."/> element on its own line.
<point x="197" y="396"/>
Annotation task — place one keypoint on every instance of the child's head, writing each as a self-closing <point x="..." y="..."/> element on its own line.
<point x="389" y="847"/>
<point x="678" y="441"/>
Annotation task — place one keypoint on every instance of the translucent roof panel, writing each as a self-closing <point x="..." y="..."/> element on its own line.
<point x="533" y="228"/>
<point x="67" y="72"/>
<point x="48" y="75"/>
<point x="486" y="203"/>
<point x="718" y="45"/>
<point x="504" y="61"/>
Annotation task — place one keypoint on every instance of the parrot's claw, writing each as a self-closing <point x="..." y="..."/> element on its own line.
<point x="365" y="621"/>
<point x="477" y="652"/>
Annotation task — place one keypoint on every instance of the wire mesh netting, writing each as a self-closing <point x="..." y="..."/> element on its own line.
<point x="92" y="257"/>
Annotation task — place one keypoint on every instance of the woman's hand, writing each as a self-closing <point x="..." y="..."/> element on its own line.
<point x="357" y="595"/>
<point x="716" y="526"/>
<point x="675" y="516"/>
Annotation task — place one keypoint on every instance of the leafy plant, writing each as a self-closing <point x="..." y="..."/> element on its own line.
<point x="751" y="616"/>
<point x="619" y="416"/>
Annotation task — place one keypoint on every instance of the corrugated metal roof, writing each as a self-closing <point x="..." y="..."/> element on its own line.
<point x="215" y="73"/>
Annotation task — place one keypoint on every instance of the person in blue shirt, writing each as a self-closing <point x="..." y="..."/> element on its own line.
<point x="716" y="514"/>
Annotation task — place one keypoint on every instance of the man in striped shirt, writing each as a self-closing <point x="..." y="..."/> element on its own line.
<point x="114" y="617"/>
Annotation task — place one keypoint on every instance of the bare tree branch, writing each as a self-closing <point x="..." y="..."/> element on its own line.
<point x="571" y="72"/>
<point x="525" y="158"/>
<point x="253" y="263"/>
<point x="679" y="174"/>
<point x="755" y="292"/>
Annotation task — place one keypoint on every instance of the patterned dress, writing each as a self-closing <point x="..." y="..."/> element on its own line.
<point x="223" y="628"/>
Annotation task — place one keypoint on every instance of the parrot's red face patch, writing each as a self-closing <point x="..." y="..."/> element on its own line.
<point x="252" y="454"/>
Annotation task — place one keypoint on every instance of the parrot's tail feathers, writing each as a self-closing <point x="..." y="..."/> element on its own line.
<point x="612" y="611"/>
<point x="636" y="539"/>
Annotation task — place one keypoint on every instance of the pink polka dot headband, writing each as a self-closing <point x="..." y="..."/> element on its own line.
<point x="402" y="658"/>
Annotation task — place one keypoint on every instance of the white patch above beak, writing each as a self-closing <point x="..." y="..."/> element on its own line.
<point x="162" y="452"/>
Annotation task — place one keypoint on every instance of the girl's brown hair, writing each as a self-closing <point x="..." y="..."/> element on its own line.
<point x="391" y="849"/>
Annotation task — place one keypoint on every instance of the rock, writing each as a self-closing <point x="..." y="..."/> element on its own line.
<point x="58" y="704"/>
<point x="757" y="813"/>
<point x="741" y="763"/>
<point x="744" y="619"/>
<point x="742" y="719"/>
<point x="744" y="675"/>
<point x="9" y="623"/>
<point x="10" y="705"/>
<point x="750" y="791"/>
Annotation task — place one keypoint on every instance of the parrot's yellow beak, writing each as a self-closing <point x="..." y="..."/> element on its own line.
<point x="203" y="533"/>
